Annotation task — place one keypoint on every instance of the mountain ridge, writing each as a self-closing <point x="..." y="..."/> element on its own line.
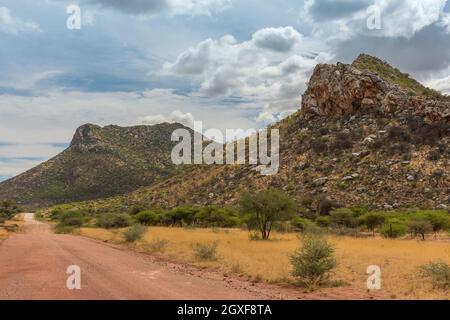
<point x="360" y="138"/>
<point x="357" y="140"/>
<point x="100" y="161"/>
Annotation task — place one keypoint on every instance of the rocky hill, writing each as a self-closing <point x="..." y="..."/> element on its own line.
<point x="99" y="162"/>
<point x="366" y="134"/>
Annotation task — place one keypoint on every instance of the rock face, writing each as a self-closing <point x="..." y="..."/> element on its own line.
<point x="86" y="135"/>
<point x="336" y="90"/>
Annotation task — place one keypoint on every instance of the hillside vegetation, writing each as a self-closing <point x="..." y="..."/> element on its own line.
<point x="99" y="162"/>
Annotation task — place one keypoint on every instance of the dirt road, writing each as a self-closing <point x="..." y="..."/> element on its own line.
<point x="33" y="265"/>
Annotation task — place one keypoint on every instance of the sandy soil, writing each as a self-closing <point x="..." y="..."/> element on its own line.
<point x="33" y="265"/>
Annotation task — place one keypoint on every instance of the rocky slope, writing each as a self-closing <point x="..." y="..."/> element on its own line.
<point x="366" y="134"/>
<point x="99" y="162"/>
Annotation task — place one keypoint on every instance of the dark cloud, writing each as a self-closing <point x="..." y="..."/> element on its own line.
<point x="423" y="55"/>
<point x="133" y="6"/>
<point x="321" y="10"/>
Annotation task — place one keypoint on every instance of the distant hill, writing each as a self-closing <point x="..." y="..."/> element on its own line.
<point x="99" y="162"/>
<point x="366" y="134"/>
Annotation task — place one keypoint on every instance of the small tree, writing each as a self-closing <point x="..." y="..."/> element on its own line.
<point x="419" y="227"/>
<point x="265" y="208"/>
<point x="372" y="221"/>
<point x="313" y="262"/>
<point x="439" y="220"/>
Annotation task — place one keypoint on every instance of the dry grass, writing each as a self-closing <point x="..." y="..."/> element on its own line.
<point x="269" y="260"/>
<point x="17" y="220"/>
<point x="3" y="233"/>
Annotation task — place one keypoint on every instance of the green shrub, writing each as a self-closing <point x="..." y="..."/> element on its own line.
<point x="343" y="218"/>
<point x="439" y="272"/>
<point x="179" y="216"/>
<point x="136" y="209"/>
<point x="135" y="232"/>
<point x="147" y="218"/>
<point x="323" y="222"/>
<point x="301" y="224"/>
<point x="394" y="228"/>
<point x="212" y="216"/>
<point x="206" y="251"/>
<point x="113" y="220"/>
<point x="72" y="218"/>
<point x="63" y="229"/>
<point x="313" y="262"/>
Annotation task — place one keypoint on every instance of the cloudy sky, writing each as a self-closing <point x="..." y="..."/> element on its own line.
<point x="230" y="63"/>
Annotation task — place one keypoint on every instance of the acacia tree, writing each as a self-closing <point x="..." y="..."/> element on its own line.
<point x="373" y="221"/>
<point x="265" y="208"/>
<point x="439" y="220"/>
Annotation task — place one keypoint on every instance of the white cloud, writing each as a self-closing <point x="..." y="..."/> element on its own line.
<point x="175" y="117"/>
<point x="442" y="84"/>
<point x="277" y="39"/>
<point x="268" y="69"/>
<point x="348" y="18"/>
<point x="10" y="24"/>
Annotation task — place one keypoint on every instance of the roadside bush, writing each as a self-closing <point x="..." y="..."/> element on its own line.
<point x="147" y="218"/>
<point x="313" y="262"/>
<point x="8" y="210"/>
<point x="439" y="272"/>
<point x="63" y="229"/>
<point x="72" y="218"/>
<point x="135" y="232"/>
<point x="206" y="251"/>
<point x="113" y="220"/>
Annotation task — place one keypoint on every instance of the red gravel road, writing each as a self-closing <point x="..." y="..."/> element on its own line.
<point x="33" y="265"/>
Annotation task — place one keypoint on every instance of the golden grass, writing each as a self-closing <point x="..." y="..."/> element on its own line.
<point x="269" y="260"/>
<point x="3" y="233"/>
<point x="17" y="220"/>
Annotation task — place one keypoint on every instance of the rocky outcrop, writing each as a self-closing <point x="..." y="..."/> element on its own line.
<point x="336" y="90"/>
